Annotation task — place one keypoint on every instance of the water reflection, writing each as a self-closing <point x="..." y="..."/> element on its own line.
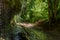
<point x="19" y="34"/>
<point x="17" y="37"/>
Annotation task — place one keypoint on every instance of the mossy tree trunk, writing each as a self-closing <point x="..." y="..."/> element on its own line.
<point x="52" y="11"/>
<point x="8" y="8"/>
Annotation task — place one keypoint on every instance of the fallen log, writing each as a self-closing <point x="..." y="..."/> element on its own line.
<point x="31" y="25"/>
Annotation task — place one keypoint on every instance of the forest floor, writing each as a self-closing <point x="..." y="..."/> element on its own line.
<point x="52" y="34"/>
<point x="47" y="35"/>
<point x="39" y="33"/>
<point x="44" y="34"/>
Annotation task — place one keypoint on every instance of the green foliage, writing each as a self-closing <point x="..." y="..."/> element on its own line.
<point x="58" y="12"/>
<point x="34" y="10"/>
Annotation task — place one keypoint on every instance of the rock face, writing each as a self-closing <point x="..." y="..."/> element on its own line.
<point x="8" y="8"/>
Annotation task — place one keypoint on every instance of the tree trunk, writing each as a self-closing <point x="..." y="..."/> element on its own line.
<point x="7" y="12"/>
<point x="52" y="11"/>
